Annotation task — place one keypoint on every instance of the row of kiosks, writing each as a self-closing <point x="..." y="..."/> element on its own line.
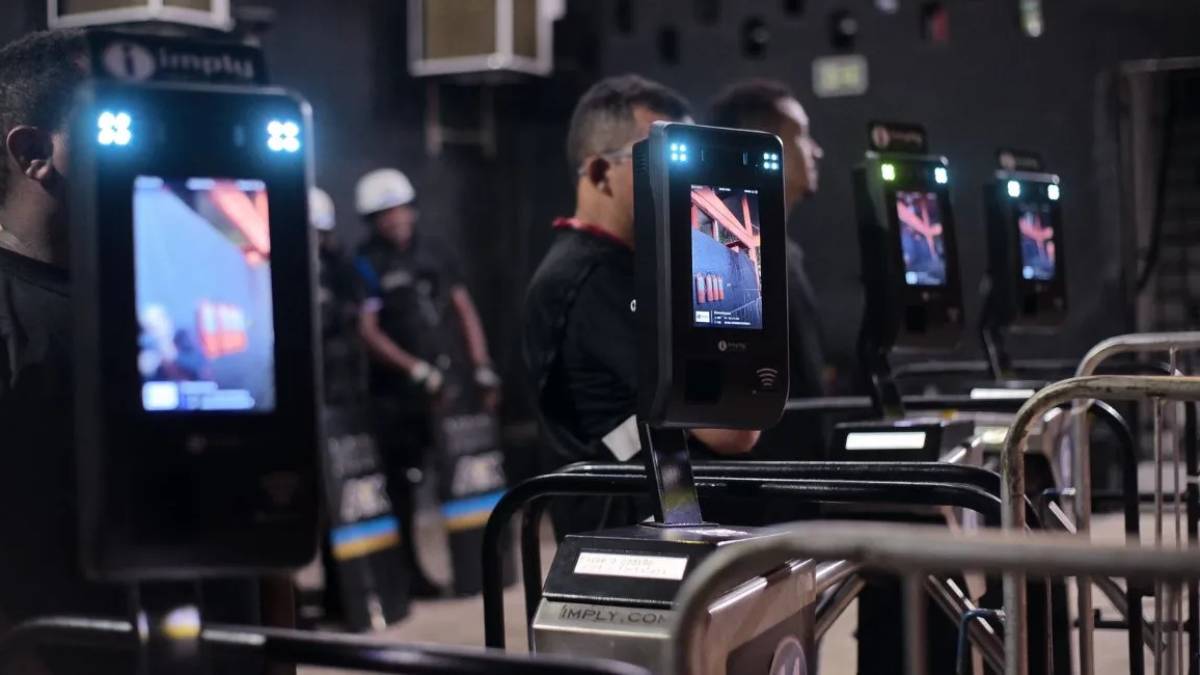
<point x="914" y="290"/>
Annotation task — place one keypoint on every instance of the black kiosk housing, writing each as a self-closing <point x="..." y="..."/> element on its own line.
<point x="913" y="295"/>
<point x="195" y="342"/>
<point x="710" y="234"/>
<point x="913" y="288"/>
<point x="1027" y="266"/>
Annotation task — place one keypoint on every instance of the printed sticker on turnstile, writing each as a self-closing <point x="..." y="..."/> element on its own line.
<point x="631" y="566"/>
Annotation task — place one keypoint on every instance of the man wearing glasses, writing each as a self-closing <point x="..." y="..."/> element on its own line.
<point x="580" y="340"/>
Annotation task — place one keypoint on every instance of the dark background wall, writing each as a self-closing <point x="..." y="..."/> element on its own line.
<point x="988" y="86"/>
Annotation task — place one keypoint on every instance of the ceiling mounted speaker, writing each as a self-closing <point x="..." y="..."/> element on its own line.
<point x="77" y="13"/>
<point x="460" y="37"/>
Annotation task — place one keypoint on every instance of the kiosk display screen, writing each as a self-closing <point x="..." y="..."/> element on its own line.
<point x="922" y="238"/>
<point x="726" y="258"/>
<point x="202" y="267"/>
<point x="1036" y="231"/>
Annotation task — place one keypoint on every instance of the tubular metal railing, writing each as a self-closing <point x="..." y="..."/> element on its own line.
<point x="916" y="552"/>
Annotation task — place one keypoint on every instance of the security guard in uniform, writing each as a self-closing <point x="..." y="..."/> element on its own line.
<point x="428" y="348"/>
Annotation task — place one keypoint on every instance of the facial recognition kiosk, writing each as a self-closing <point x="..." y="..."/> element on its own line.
<point x="712" y="319"/>
<point x="1026" y="263"/>
<point x="195" y="331"/>
<point x="912" y="285"/>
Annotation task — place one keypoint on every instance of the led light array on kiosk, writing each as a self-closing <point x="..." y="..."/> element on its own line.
<point x="771" y="161"/>
<point x="283" y="136"/>
<point x="1052" y="190"/>
<point x="679" y="152"/>
<point x="940" y="175"/>
<point x="115" y="128"/>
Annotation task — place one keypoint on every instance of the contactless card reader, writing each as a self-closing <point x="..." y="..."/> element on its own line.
<point x="1027" y="284"/>
<point x="712" y="328"/>
<point x="912" y="284"/>
<point x="195" y="331"/>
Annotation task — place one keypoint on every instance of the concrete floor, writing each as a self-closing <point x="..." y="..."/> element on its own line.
<point x="460" y="622"/>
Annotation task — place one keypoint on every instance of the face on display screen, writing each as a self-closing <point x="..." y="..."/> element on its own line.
<point x="922" y="238"/>
<point x="726" y="258"/>
<point x="202" y="266"/>
<point x="1038" y="251"/>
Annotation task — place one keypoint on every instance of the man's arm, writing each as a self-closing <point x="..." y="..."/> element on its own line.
<point x="472" y="326"/>
<point x="728" y="441"/>
<point x="382" y="347"/>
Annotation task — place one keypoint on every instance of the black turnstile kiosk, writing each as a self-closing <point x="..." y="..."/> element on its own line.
<point x="712" y="320"/>
<point x="913" y="290"/>
<point x="1027" y="286"/>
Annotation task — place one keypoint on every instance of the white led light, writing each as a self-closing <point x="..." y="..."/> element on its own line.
<point x="682" y="147"/>
<point x="1014" y="189"/>
<point x="888" y="171"/>
<point x="674" y="156"/>
<point x="115" y="128"/>
<point x="283" y="136"/>
<point x="774" y="156"/>
<point x="941" y="175"/>
<point x="1053" y="192"/>
<point x="683" y="157"/>
<point x="766" y="155"/>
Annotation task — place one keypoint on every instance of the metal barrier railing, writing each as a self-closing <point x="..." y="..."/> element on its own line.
<point x="915" y="552"/>
<point x="1144" y="343"/>
<point x="1109" y="387"/>
<point x="875" y="483"/>
<point x="285" y="646"/>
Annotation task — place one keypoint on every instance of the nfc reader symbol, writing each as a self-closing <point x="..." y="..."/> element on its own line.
<point x="767" y="377"/>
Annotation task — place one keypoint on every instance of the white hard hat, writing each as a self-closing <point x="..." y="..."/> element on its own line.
<point x="382" y="189"/>
<point x="320" y="210"/>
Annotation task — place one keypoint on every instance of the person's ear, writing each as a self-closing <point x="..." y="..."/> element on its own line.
<point x="596" y="172"/>
<point x="33" y="151"/>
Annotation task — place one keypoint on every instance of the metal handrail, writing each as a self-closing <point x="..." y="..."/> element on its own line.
<point x="910" y="550"/>
<point x="1137" y="343"/>
<point x="331" y="650"/>
<point x="1115" y="387"/>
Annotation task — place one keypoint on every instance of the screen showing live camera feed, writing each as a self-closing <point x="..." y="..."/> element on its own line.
<point x="202" y="262"/>
<point x="1035" y="227"/>
<point x="922" y="238"/>
<point x="726" y="258"/>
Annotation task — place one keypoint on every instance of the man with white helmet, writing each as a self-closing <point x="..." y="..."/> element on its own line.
<point x="420" y="327"/>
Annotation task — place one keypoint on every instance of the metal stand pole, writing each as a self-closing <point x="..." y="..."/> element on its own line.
<point x="666" y="455"/>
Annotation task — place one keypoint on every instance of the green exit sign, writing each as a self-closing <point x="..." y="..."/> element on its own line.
<point x="840" y="75"/>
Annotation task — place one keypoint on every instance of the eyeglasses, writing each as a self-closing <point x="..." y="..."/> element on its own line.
<point x="614" y="156"/>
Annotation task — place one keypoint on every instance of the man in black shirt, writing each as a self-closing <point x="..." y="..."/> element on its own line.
<point x="39" y="565"/>
<point x="768" y="105"/>
<point x="580" y="339"/>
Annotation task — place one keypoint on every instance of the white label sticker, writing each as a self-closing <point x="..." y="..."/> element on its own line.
<point x="631" y="566"/>
<point x="993" y="394"/>
<point x="885" y="440"/>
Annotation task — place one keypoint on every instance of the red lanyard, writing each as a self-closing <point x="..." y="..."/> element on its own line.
<point x="594" y="230"/>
